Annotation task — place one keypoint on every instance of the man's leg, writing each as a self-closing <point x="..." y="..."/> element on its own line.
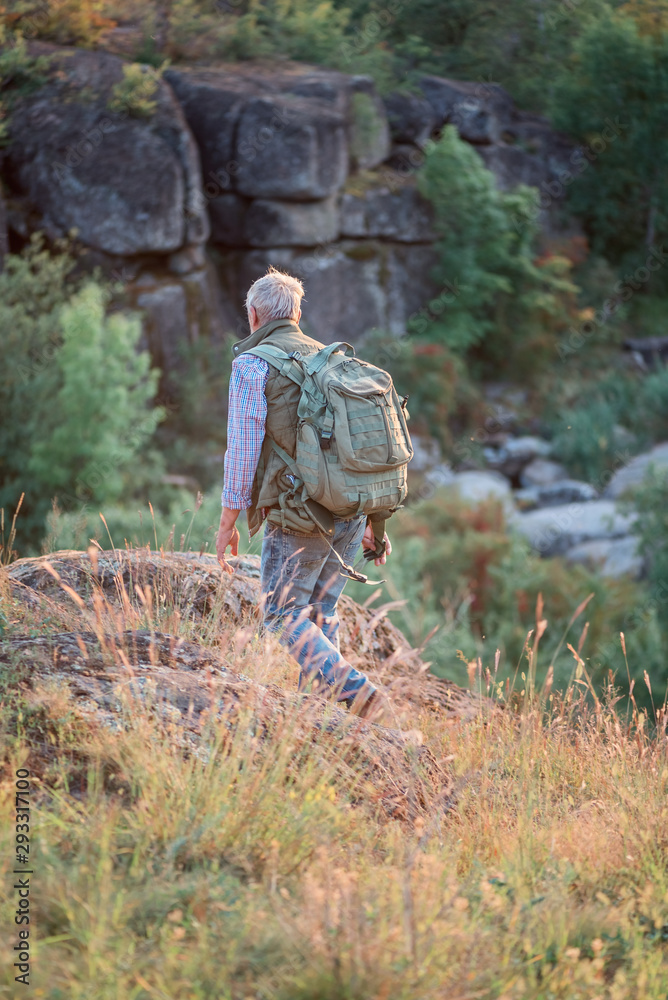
<point x="329" y="587"/>
<point x="292" y="571"/>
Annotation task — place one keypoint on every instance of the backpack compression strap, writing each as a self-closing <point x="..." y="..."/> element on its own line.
<point x="279" y="359"/>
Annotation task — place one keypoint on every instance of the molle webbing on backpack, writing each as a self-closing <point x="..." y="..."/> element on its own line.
<point x="352" y="443"/>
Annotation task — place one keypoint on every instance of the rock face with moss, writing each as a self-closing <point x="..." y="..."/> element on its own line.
<point x="108" y="155"/>
<point x="186" y="186"/>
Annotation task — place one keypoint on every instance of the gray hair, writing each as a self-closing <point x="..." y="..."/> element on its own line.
<point x="275" y="296"/>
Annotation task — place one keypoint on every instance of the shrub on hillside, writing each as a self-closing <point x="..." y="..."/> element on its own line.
<point x="476" y="586"/>
<point x="500" y="305"/>
<point x="77" y="393"/>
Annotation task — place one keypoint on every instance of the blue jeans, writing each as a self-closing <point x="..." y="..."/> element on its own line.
<point x="301" y="584"/>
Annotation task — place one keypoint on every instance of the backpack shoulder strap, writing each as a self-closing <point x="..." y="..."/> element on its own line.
<point x="287" y="364"/>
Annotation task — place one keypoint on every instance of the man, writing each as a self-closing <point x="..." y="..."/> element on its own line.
<point x="301" y="577"/>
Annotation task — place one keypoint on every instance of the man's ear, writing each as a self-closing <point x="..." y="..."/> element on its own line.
<point x="252" y="316"/>
<point x="299" y="315"/>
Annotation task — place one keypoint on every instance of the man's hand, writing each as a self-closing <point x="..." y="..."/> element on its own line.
<point x="369" y="542"/>
<point x="227" y="535"/>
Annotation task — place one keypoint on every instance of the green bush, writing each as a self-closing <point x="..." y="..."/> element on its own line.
<point x="461" y="573"/>
<point x="622" y="414"/>
<point x="77" y="393"/>
<point x="621" y="194"/>
<point x="133" y="94"/>
<point x="499" y="305"/>
<point x="442" y="398"/>
<point x="651" y="504"/>
<point x="67" y="22"/>
<point x="20" y="73"/>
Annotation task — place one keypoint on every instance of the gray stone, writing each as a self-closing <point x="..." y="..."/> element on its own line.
<point x="405" y="159"/>
<point x="476" y="110"/>
<point x="165" y="323"/>
<point x="178" y="312"/>
<point x="412" y="118"/>
<point x="542" y="472"/>
<point x="436" y="478"/>
<point x="280" y="223"/>
<point x="184" y="261"/>
<point x="611" y="558"/>
<point x="513" y="165"/>
<point x="128" y="185"/>
<point x="4" y="239"/>
<point x="565" y="491"/>
<point x="630" y="476"/>
<point x="399" y="213"/>
<point x="295" y="150"/>
<point x="228" y="215"/>
<point x="515" y="453"/>
<point x="554" y="530"/>
<point x="212" y="104"/>
<point x="476" y="487"/>
<point x="241" y="222"/>
<point x="351" y="288"/>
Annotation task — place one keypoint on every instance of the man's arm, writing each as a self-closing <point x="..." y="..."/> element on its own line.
<point x="246" y="421"/>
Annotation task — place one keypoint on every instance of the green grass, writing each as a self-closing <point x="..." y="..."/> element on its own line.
<point x="262" y="865"/>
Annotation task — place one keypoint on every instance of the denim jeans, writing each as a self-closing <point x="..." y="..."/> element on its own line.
<point x="301" y="584"/>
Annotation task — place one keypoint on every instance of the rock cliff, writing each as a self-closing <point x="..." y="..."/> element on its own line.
<point x="238" y="166"/>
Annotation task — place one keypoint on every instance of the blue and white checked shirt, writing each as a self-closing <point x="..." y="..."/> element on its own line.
<point x="246" y="420"/>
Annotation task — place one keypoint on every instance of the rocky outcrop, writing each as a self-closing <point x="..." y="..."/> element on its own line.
<point x="351" y="286"/>
<point x="128" y="185"/>
<point x="610" y="557"/>
<point x="114" y="673"/>
<point x="397" y="212"/>
<point x="289" y="164"/>
<point x="554" y="530"/>
<point x="519" y="148"/>
<point x="285" y="133"/>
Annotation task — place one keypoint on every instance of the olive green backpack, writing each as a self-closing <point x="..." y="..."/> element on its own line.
<point x="353" y="444"/>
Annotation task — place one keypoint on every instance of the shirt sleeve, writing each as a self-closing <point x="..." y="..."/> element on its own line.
<point x="246" y="422"/>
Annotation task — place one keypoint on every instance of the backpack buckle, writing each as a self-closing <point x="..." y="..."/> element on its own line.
<point x="326" y="440"/>
<point x="296" y="355"/>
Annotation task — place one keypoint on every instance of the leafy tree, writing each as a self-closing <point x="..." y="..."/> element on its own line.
<point x="613" y="97"/>
<point x="496" y="295"/>
<point x="76" y="392"/>
<point x="518" y="45"/>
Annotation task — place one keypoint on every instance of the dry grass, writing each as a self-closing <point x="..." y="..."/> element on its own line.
<point x="249" y="853"/>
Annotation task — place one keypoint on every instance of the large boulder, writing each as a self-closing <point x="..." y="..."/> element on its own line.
<point x="610" y="557"/>
<point x="630" y="476"/>
<point x="241" y="222"/>
<point x="476" y="487"/>
<point x="412" y="118"/>
<point x="178" y="311"/>
<point x="351" y="287"/>
<point x="128" y="185"/>
<point x="552" y="531"/>
<point x="542" y="472"/>
<point x="285" y="132"/>
<point x="290" y="148"/>
<point x="478" y="111"/>
<point x="395" y="212"/>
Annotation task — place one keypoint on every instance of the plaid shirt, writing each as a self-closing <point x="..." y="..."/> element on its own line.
<point x="246" y="419"/>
